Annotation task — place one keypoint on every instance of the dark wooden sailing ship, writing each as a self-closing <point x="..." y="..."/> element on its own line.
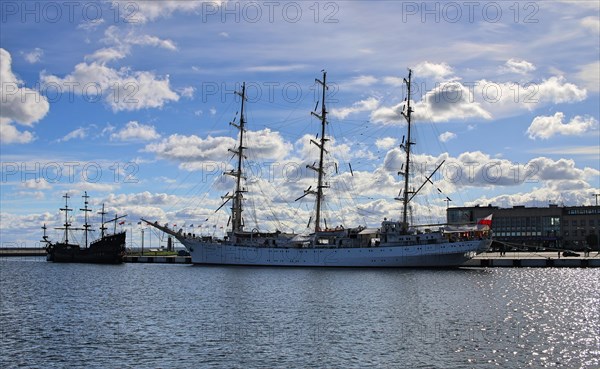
<point x="108" y="249"/>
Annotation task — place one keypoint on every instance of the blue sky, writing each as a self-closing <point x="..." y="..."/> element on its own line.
<point x="131" y="102"/>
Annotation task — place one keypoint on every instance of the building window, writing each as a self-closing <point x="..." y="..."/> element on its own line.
<point x="459" y="216"/>
<point x="591" y="222"/>
<point x="574" y="223"/>
<point x="582" y="222"/>
<point x="566" y="233"/>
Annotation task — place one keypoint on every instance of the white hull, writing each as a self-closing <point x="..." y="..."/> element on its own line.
<point x="450" y="254"/>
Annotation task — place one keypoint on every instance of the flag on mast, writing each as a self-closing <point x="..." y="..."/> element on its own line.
<point x="486" y="221"/>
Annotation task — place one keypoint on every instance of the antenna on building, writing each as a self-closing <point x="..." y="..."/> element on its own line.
<point x="596" y="195"/>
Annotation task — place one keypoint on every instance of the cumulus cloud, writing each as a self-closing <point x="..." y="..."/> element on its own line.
<point x="33" y="56"/>
<point x="545" y="127"/>
<point x="17" y="104"/>
<point x="537" y="170"/>
<point x="123" y="89"/>
<point x="187" y="92"/>
<point x="478" y="169"/>
<point x="393" y="81"/>
<point x="483" y="99"/>
<point x="385" y="143"/>
<point x="447" y="136"/>
<point x="339" y="150"/>
<point x="394" y="160"/>
<point x="267" y="144"/>
<point x="134" y="131"/>
<point x="379" y="183"/>
<point x="547" y="169"/>
<point x="10" y="134"/>
<point x="142" y="198"/>
<point x="20" y="104"/>
<point x="192" y="148"/>
<point x="29" y="223"/>
<point x="449" y="100"/>
<point x="36" y="184"/>
<point x="436" y="71"/>
<point x="106" y="54"/>
<point x="518" y="66"/>
<point x="557" y="90"/>
<point x="260" y="145"/>
<point x="540" y="197"/>
<point x="360" y="106"/>
<point x="388" y="114"/>
<point x="504" y="99"/>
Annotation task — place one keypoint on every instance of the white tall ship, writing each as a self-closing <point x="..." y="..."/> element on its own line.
<point x="394" y="244"/>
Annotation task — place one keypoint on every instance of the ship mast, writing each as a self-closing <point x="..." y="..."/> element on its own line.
<point x="237" y="197"/>
<point x="406" y="113"/>
<point x="102" y="227"/>
<point x="85" y="210"/>
<point x="321" y="146"/>
<point x="45" y="236"/>
<point x="66" y="209"/>
<point x="320" y="168"/>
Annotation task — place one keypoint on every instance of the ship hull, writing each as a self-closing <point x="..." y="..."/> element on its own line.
<point x="443" y="255"/>
<point x="107" y="250"/>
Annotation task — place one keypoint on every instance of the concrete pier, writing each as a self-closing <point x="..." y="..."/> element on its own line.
<point x="22" y="251"/>
<point x="534" y="260"/>
<point x="158" y="259"/>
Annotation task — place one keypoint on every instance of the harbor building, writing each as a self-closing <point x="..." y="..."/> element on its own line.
<point x="553" y="226"/>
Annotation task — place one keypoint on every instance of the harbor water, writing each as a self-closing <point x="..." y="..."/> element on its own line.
<point x="183" y="316"/>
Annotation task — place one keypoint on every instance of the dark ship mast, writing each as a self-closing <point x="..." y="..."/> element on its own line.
<point x="407" y="114"/>
<point x="86" y="210"/>
<point x="321" y="147"/>
<point x="237" y="224"/>
<point x="45" y="236"/>
<point x="103" y="226"/>
<point x="67" y="225"/>
<point x="319" y="169"/>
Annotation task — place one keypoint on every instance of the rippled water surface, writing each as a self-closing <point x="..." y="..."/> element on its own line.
<point x="145" y="315"/>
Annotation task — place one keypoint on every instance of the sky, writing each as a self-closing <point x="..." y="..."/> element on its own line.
<point x="130" y="101"/>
